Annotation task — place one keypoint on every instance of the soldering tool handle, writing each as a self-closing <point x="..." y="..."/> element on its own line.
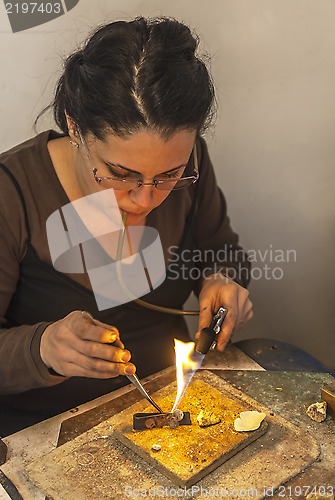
<point x="206" y="339"/>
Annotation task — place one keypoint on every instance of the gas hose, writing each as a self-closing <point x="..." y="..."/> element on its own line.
<point x="167" y="310"/>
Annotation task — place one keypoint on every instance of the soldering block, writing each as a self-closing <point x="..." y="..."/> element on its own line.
<point x="188" y="453"/>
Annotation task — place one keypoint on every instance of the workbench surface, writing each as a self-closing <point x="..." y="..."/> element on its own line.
<point x="30" y="444"/>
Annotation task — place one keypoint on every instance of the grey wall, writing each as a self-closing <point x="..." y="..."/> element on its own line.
<point x="272" y="147"/>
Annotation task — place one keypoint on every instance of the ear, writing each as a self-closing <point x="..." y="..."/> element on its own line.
<point x="71" y="126"/>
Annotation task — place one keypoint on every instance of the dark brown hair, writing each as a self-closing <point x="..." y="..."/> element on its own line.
<point x="130" y="75"/>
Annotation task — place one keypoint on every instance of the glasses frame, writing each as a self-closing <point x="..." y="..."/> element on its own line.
<point x="140" y="183"/>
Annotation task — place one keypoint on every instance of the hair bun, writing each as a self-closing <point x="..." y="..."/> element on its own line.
<point x="76" y="59"/>
<point x="128" y="75"/>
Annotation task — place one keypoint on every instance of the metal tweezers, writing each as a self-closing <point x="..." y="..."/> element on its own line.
<point x="135" y="380"/>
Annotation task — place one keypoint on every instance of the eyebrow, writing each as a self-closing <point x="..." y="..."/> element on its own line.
<point x="136" y="172"/>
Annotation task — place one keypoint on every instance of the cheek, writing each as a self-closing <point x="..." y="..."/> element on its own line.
<point x="120" y="196"/>
<point x="160" y="196"/>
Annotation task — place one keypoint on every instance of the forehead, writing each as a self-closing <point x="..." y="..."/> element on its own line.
<point x="143" y="151"/>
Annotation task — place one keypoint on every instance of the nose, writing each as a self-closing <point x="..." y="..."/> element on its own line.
<point x="142" y="196"/>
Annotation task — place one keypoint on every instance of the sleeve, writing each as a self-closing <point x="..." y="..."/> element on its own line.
<point x="21" y="366"/>
<point x="217" y="242"/>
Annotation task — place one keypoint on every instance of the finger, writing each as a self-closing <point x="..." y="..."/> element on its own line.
<point x="241" y="323"/>
<point x="74" y="370"/>
<point x="205" y="318"/>
<point x="247" y="308"/>
<point x="106" y="326"/>
<point x="249" y="316"/>
<point x="244" y="315"/>
<point x="243" y="305"/>
<point x="90" y="319"/>
<point x="106" y="337"/>
<point x="102" y="351"/>
<point x="227" y="327"/>
<point x="91" y="331"/>
<point x="223" y="343"/>
<point x="99" y="334"/>
<point x="98" y="366"/>
<point x="118" y="343"/>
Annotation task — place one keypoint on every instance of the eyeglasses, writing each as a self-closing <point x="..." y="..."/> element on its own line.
<point x="132" y="180"/>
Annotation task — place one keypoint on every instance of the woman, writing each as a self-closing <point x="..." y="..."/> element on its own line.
<point x="131" y="105"/>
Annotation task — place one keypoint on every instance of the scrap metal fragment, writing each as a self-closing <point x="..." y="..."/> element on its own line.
<point x="249" y="421"/>
<point x="317" y="411"/>
<point x="207" y="418"/>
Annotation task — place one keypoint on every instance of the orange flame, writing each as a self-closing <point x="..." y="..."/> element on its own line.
<point x="184" y="365"/>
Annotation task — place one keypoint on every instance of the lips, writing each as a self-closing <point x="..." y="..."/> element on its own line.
<point x="136" y="214"/>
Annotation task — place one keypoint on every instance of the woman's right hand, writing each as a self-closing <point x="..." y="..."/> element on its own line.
<point x="78" y="346"/>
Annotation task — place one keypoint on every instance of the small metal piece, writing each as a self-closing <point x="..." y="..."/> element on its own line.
<point x="173" y="423"/>
<point x="151" y="423"/>
<point x="144" y="421"/>
<point x="178" y="414"/>
<point x="156" y="447"/>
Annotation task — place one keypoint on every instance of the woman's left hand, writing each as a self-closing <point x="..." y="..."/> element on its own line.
<point x="220" y="291"/>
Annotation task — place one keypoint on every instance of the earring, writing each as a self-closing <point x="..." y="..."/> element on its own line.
<point x="74" y="144"/>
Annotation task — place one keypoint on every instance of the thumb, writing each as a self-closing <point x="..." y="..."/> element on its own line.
<point x="205" y="318"/>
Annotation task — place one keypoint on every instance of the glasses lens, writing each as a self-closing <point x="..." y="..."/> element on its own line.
<point x="127" y="185"/>
<point x="174" y="185"/>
